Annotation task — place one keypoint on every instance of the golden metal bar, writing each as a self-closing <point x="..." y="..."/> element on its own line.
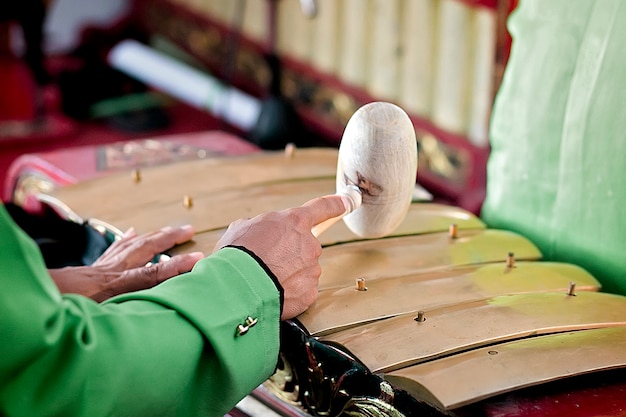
<point x="472" y="376"/>
<point x="340" y="308"/>
<point x="399" y="342"/>
<point x="200" y="178"/>
<point x="405" y="255"/>
<point x="422" y="218"/>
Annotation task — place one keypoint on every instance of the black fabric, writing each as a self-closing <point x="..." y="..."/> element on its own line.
<point x="92" y="82"/>
<point x="62" y="242"/>
<point x="30" y="15"/>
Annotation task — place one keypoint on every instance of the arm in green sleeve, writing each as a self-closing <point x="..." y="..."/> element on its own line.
<point x="172" y="350"/>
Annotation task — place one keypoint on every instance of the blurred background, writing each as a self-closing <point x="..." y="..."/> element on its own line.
<point x="86" y="73"/>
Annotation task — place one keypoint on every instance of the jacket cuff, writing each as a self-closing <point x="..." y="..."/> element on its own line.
<point x="267" y="270"/>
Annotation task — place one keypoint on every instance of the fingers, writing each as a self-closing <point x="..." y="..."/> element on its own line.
<point x="147" y="277"/>
<point x="157" y="273"/>
<point x="165" y="239"/>
<point x="324" y="208"/>
<point x="133" y="251"/>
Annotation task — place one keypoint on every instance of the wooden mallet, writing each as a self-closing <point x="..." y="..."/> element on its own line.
<point x="376" y="168"/>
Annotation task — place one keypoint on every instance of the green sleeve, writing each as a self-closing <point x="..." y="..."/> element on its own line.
<point x="171" y="351"/>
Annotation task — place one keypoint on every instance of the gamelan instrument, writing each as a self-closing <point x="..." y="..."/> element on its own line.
<point x="438" y="316"/>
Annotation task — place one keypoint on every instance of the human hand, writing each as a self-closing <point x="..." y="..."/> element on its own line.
<point x="122" y="267"/>
<point x="283" y="240"/>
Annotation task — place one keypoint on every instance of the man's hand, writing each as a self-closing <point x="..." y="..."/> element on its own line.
<point x="123" y="266"/>
<point x="283" y="240"/>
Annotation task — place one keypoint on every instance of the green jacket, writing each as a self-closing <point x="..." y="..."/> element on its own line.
<point x="172" y="350"/>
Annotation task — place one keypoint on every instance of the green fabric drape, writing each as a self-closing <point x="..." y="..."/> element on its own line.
<point x="557" y="170"/>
